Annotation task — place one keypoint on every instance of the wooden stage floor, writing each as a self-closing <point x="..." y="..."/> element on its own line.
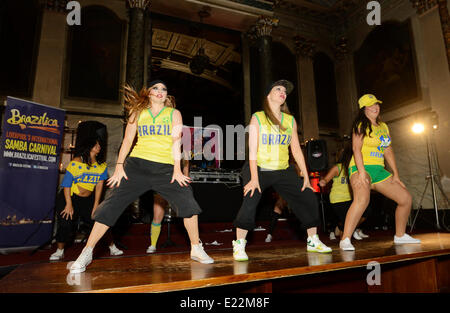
<point x="285" y="268"/>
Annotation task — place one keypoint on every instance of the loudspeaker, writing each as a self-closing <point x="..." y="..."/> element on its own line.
<point x="316" y="155"/>
<point x="89" y="131"/>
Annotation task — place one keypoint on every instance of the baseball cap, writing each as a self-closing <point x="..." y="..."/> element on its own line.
<point x="367" y="100"/>
<point x="282" y="82"/>
<point x="156" y="81"/>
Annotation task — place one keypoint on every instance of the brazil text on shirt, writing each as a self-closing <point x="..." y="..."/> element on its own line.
<point x="148" y="130"/>
<point x="86" y="176"/>
<point x="272" y="139"/>
<point x="377" y="154"/>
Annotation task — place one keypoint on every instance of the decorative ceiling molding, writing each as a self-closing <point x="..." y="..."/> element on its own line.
<point x="219" y="53"/>
<point x="183" y="67"/>
<point x="328" y="12"/>
<point x="423" y="6"/>
<point x="54" y="5"/>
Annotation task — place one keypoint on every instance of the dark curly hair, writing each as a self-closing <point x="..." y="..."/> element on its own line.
<point x="84" y="151"/>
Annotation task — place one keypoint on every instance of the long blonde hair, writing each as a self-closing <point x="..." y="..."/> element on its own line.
<point x="137" y="102"/>
<point x="271" y="116"/>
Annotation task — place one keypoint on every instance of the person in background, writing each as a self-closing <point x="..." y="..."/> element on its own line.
<point x="160" y="205"/>
<point x="82" y="188"/>
<point x="340" y="194"/>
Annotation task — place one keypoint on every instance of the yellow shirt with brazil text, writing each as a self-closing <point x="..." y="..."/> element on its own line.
<point x="79" y="174"/>
<point x="155" y="136"/>
<point x="374" y="145"/>
<point x="273" y="143"/>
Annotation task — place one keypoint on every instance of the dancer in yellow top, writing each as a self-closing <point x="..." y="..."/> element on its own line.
<point x="272" y="131"/>
<point x="371" y="144"/>
<point x="340" y="194"/>
<point x="80" y="195"/>
<point x="154" y="164"/>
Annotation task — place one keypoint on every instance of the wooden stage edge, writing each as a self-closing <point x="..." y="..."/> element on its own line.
<point x="286" y="268"/>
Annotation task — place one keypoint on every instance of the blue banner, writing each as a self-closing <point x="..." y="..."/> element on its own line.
<point x="29" y="161"/>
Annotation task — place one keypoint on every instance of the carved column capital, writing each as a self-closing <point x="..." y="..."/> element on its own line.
<point x="264" y="26"/>
<point x="341" y="48"/>
<point x="139" y="4"/>
<point x="304" y="47"/>
<point x="54" y="5"/>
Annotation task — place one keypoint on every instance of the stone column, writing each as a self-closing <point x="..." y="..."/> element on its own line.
<point x="52" y="50"/>
<point x="263" y="41"/>
<point x="136" y="43"/>
<point x="345" y="87"/>
<point x="445" y="25"/>
<point x="305" y="50"/>
<point x="246" y="77"/>
<point x="423" y="6"/>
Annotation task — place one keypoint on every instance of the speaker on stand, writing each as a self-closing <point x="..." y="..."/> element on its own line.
<point x="317" y="161"/>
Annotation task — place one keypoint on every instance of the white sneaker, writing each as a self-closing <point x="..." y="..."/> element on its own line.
<point x="346" y="245"/>
<point x="313" y="244"/>
<point x="239" y="250"/>
<point x="268" y="238"/>
<point x="199" y="255"/>
<point x="356" y="235"/>
<point x="151" y="249"/>
<point x="84" y="259"/>
<point x="113" y="250"/>
<point x="58" y="255"/>
<point x="361" y="234"/>
<point x="405" y="239"/>
<point x="332" y="236"/>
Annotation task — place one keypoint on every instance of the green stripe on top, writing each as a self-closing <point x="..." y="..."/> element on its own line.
<point x="171" y="115"/>
<point x="154" y="117"/>
<point x="282" y="117"/>
<point x="259" y="122"/>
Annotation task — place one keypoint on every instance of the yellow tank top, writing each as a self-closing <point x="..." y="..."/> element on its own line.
<point x="273" y="143"/>
<point x="340" y="191"/>
<point x="155" y="136"/>
<point x="374" y="145"/>
<point x="82" y="175"/>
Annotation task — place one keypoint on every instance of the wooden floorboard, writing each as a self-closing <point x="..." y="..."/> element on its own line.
<point x="176" y="271"/>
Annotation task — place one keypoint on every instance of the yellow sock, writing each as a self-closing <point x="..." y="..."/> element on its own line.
<point x="155" y="230"/>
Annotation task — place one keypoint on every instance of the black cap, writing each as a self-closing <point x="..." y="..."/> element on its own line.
<point x="156" y="81"/>
<point x="282" y="82"/>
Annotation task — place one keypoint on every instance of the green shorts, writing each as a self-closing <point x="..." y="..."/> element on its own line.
<point x="377" y="173"/>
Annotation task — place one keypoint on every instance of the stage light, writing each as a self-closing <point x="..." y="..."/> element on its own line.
<point x="418" y="128"/>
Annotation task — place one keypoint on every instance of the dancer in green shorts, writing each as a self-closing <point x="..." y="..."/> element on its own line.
<point x="371" y="147"/>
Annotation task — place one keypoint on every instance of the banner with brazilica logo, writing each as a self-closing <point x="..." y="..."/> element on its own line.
<point x="29" y="157"/>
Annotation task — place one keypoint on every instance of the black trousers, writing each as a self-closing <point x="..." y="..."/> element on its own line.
<point x="142" y="176"/>
<point x="82" y="208"/>
<point x="288" y="184"/>
<point x="341" y="209"/>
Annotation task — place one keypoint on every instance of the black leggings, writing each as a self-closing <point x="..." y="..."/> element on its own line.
<point x="288" y="184"/>
<point x="82" y="208"/>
